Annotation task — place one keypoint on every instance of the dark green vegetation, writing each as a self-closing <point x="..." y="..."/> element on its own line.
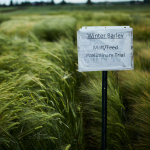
<point x="45" y="104"/>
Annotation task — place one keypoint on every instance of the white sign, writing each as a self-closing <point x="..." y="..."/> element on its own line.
<point x="105" y="48"/>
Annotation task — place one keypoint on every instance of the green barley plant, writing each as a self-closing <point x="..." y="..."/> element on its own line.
<point x="142" y="33"/>
<point x="139" y="125"/>
<point x="46" y="104"/>
<point x="134" y="82"/>
<point x="4" y="18"/>
<point x="45" y="28"/>
<point x="136" y="87"/>
<point x="55" y="28"/>
<point x="144" y="58"/>
<point x="17" y="27"/>
<point x="117" y="136"/>
<point x="38" y="104"/>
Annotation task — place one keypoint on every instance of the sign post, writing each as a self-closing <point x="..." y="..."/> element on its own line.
<point x="104" y="110"/>
<point x="105" y="48"/>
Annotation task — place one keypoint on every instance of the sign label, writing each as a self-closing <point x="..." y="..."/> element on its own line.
<point x="105" y="48"/>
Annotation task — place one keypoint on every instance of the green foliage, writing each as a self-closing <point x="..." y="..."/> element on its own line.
<point x="121" y="19"/>
<point x="38" y="102"/>
<point x="134" y="83"/>
<point x="136" y="89"/>
<point x="3" y="18"/>
<point x="46" y="104"/>
<point x="55" y="28"/>
<point x="20" y="27"/>
<point x="143" y="57"/>
<point x="117" y="137"/>
<point x="140" y="122"/>
<point x="89" y="2"/>
<point x="142" y="33"/>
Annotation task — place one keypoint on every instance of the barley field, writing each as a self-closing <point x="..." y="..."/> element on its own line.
<point x="46" y="104"/>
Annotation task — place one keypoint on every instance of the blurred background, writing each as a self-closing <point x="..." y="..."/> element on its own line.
<point x="52" y="2"/>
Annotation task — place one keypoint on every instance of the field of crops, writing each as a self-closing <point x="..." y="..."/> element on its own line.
<point x="46" y="104"/>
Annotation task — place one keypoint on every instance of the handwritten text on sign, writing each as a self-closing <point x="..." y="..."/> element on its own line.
<point x="105" y="49"/>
